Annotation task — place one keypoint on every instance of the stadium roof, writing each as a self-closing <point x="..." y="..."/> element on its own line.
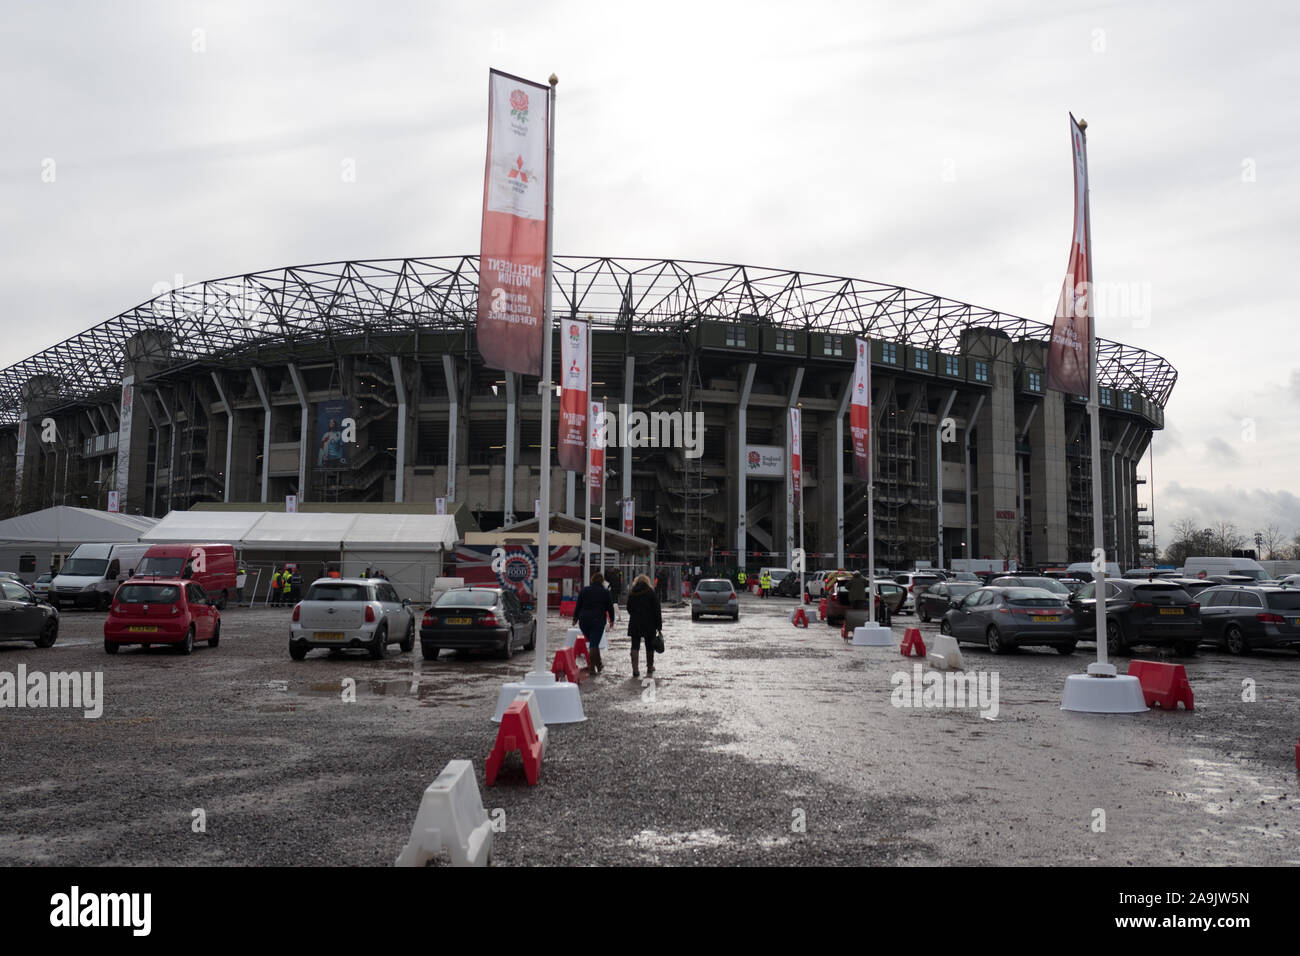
<point x="342" y="300"/>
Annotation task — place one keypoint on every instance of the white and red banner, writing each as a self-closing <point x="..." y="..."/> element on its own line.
<point x="512" y="253"/>
<point x="629" y="516"/>
<point x="574" y="379"/>
<point x="796" y="453"/>
<point x="860" y="412"/>
<point x="596" y="455"/>
<point x="1069" y="355"/>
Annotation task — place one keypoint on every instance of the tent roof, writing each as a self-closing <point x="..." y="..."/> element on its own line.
<point x="614" y="540"/>
<point x="315" y="531"/>
<point x="63" y="525"/>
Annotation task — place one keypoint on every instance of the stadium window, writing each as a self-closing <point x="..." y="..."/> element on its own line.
<point x="1103" y="396"/>
<point x="952" y="366"/>
<point x="1126" y="400"/>
<point x="921" y="360"/>
<point x="1035" y="381"/>
<point x="785" y="340"/>
<point x="981" y="371"/>
<point x="889" y="353"/>
<point x="832" y="345"/>
<point x="736" y="336"/>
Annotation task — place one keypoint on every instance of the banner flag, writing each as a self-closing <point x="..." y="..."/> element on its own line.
<point x="629" y="516"/>
<point x="1069" y="355"/>
<point x="860" y="412"/>
<point x="596" y="454"/>
<point x="796" y="455"/>
<point x="573" y="395"/>
<point x="512" y="253"/>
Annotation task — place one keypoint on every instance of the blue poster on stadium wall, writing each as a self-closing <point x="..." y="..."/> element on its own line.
<point x="335" y="433"/>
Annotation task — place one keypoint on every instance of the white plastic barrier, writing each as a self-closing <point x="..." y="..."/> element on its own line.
<point x="572" y="634"/>
<point x="451" y="817"/>
<point x="945" y="654"/>
<point x="873" y="635"/>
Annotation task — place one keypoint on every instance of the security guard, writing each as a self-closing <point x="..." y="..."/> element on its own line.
<point x="765" y="582"/>
<point x="275" y="588"/>
<point x="740" y="578"/>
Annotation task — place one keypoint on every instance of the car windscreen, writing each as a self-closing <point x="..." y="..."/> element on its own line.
<point x="468" y="598"/>
<point x="714" y="586"/>
<point x="148" y="594"/>
<point x="956" y="591"/>
<point x="92" y="567"/>
<point x="338" y="592"/>
<point x="1046" y="584"/>
<point x="1032" y="597"/>
<point x="1145" y="592"/>
<point x="1284" y="602"/>
<point x="163" y="567"/>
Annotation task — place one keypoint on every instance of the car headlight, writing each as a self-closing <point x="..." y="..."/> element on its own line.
<point x="88" y="587"/>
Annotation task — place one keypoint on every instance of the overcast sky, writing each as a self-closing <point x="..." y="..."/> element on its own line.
<point x="921" y="144"/>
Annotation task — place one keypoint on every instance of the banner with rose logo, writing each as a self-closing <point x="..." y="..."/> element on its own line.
<point x="596" y="456"/>
<point x="796" y="453"/>
<point x="572" y="441"/>
<point x="860" y="412"/>
<point x="1069" y="355"/>
<point x="629" y="516"/>
<point x="512" y="254"/>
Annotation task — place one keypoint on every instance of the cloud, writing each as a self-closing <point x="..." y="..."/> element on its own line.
<point x="1250" y="509"/>
<point x="1220" y="451"/>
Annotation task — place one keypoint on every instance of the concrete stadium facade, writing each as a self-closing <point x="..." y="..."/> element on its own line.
<point x="217" y="391"/>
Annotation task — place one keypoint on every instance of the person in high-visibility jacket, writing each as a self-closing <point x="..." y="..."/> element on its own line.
<point x="765" y="583"/>
<point x="740" y="578"/>
<point x="275" y="588"/>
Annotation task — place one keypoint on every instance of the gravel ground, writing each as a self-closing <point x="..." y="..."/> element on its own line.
<point x="758" y="743"/>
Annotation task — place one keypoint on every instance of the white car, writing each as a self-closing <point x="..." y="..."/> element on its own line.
<point x="915" y="582"/>
<point x="341" y="613"/>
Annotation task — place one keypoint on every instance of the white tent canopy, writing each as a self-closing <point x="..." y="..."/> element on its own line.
<point x="307" y="531"/>
<point x="66" y="527"/>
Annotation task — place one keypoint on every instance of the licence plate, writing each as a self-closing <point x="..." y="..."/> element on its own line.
<point x="143" y="630"/>
<point x="329" y="636"/>
<point x="1046" y="619"/>
<point x="457" y="620"/>
<point x="1171" y="610"/>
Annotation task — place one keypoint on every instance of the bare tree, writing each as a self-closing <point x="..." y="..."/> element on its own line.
<point x="1226" y="538"/>
<point x="1007" y="541"/>
<point x="1274" y="543"/>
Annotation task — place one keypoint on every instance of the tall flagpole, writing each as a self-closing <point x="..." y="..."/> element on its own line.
<point x="547" y="386"/>
<point x="604" y="404"/>
<point x="1103" y="666"/>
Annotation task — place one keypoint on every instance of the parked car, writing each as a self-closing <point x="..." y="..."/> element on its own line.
<point x="477" y="619"/>
<point x="715" y="596"/>
<point x="837" y="587"/>
<point x="967" y="577"/>
<point x="1153" y="613"/>
<point x="25" y="617"/>
<point x="341" y="613"/>
<point x="41" y="588"/>
<point x="789" y="586"/>
<point x="1026" y="581"/>
<point x="1245" y="618"/>
<point x="1192" y="586"/>
<point x="210" y="566"/>
<point x="937" y="600"/>
<point x="914" y="582"/>
<point x="1004" y="618"/>
<point x="1246" y="567"/>
<point x="92" y="573"/>
<point x="1290" y="581"/>
<point x="159" y="611"/>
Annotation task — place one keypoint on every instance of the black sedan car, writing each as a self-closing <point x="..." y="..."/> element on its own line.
<point x="477" y="619"/>
<point x="1003" y="619"/>
<point x="1245" y="618"/>
<point x="1153" y="613"/>
<point x="25" y="617"/>
<point x="936" y="600"/>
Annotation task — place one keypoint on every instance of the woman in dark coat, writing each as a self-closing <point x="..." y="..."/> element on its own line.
<point x="593" y="608"/>
<point x="644" y="620"/>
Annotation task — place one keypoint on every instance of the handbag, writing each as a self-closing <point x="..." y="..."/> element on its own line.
<point x="659" y="642"/>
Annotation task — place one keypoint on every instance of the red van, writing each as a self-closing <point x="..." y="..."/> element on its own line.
<point x="211" y="566"/>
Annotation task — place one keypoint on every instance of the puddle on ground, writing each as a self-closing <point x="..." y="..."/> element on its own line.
<point x="651" y="840"/>
<point x="427" y="693"/>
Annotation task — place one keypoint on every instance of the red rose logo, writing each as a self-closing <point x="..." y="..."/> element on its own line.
<point x="519" y="100"/>
<point x="753" y="459"/>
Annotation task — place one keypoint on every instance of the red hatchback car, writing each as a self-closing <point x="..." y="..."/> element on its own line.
<point x="161" y="611"/>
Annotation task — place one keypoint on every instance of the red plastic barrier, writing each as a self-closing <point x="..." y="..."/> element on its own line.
<point x="516" y="733"/>
<point x="821" y="609"/>
<point x="912" y="642"/>
<point x="568" y="606"/>
<point x="580" y="650"/>
<point x="800" y="618"/>
<point x="565" y="666"/>
<point x="1162" y="684"/>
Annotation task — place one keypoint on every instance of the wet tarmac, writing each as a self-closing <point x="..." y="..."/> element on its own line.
<point x="757" y="743"/>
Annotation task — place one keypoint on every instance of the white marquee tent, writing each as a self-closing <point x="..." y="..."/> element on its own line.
<point x="34" y="539"/>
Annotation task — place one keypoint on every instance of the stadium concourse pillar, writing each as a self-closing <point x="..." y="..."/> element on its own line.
<point x="1048" y="481"/>
<point x="38" y="393"/>
<point x="453" y="420"/>
<point x="230" y="435"/>
<point x="260" y="381"/>
<point x="301" y="390"/>
<point x="399" y="385"/>
<point x="742" y="407"/>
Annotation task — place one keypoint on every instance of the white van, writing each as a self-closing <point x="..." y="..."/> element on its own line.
<point x="1083" y="570"/>
<point x="1248" y="567"/>
<point x="92" y="573"/>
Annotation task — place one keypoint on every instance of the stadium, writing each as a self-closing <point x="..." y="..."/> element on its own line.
<point x="233" y="390"/>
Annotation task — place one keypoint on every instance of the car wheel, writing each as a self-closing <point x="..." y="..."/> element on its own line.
<point x="993" y="637"/>
<point x="1116" y="645"/>
<point x="110" y="647"/>
<point x="532" y="638"/>
<point x="944" y="628"/>
<point x="105" y="601"/>
<point x="1186" y="649"/>
<point x="694" y="616"/>
<point x="187" y="646"/>
<point x="505" y="653"/>
<point x="297" y="650"/>
<point x="925" y="617"/>
<point x="429" y="653"/>
<point x="215" y="639"/>
<point x="408" y="641"/>
<point x="221" y="602"/>
<point x="49" y="633"/>
<point x="379" y="646"/>
<point x="736" y="616"/>
<point x="1236" y="641"/>
<point x="1066" y="648"/>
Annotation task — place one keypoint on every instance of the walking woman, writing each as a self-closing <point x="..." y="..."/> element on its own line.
<point x="644" y="620"/>
<point x="594" y="607"/>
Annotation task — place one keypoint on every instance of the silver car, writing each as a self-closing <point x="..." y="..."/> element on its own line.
<point x="341" y="613"/>
<point x="715" y="596"/>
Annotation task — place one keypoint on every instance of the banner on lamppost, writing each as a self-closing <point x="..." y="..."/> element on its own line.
<point x="596" y="453"/>
<point x="1069" y="354"/>
<point x="629" y="516"/>
<point x="796" y="455"/>
<point x="574" y="378"/>
<point x="512" y="253"/>
<point x="860" y="412"/>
